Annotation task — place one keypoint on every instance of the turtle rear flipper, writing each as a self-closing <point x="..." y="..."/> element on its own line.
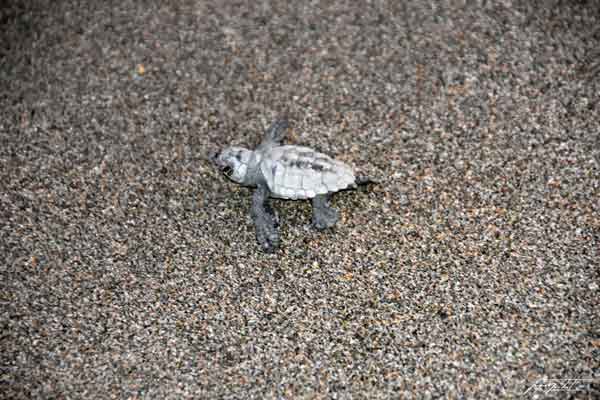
<point x="324" y="216"/>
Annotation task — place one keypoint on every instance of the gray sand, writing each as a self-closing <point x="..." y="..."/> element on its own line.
<point x="129" y="265"/>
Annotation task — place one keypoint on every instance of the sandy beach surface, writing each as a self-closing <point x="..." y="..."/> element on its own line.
<point x="129" y="267"/>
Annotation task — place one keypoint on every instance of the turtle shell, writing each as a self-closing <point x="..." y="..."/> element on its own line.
<point x="296" y="172"/>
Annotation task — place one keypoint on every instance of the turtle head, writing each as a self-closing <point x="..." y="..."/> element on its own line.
<point x="233" y="162"/>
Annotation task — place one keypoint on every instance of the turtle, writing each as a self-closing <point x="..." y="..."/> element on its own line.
<point x="289" y="172"/>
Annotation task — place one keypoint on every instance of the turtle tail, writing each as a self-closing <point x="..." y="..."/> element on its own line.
<point x="365" y="180"/>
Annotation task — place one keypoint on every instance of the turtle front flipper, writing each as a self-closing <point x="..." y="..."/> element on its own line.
<point x="324" y="216"/>
<point x="275" y="134"/>
<point x="265" y="219"/>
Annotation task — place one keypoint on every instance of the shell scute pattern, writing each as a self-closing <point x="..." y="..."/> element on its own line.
<point x="296" y="172"/>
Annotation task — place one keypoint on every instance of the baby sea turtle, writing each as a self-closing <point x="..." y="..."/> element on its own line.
<point x="285" y="172"/>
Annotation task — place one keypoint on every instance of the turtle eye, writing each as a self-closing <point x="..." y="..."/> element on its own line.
<point x="227" y="170"/>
